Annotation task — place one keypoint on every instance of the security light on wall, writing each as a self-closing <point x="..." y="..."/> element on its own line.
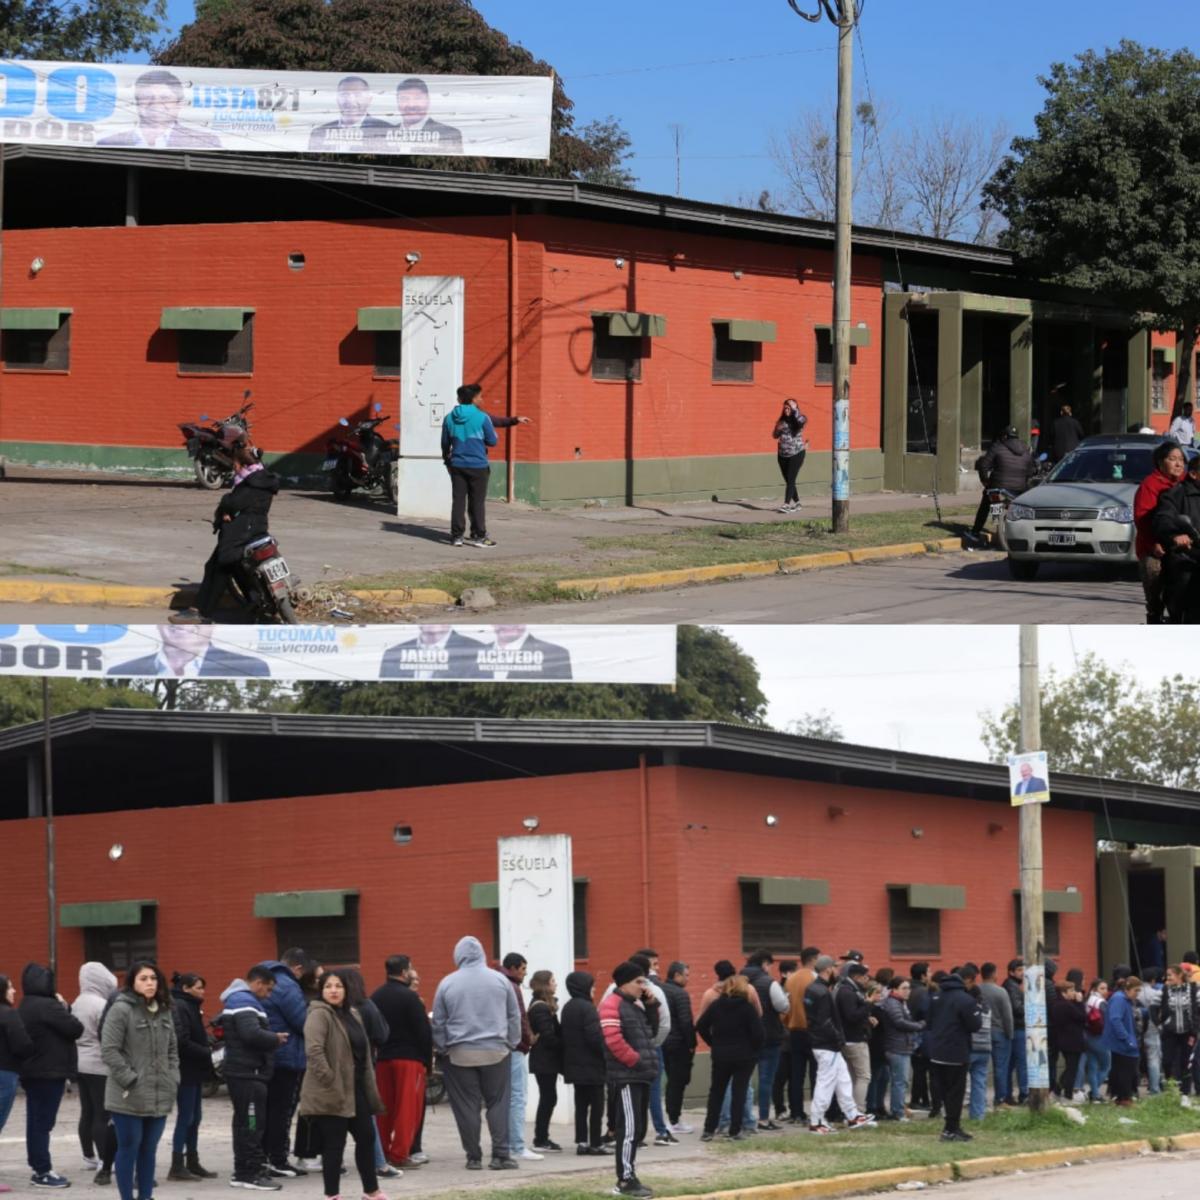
<point x="115" y="851"/>
<point x="618" y="263"/>
<point x="738" y="273"/>
<point x="37" y="264"/>
<point x="918" y="832"/>
<point x="413" y="257"/>
<point x="771" y="820"/>
<point x="531" y="823"/>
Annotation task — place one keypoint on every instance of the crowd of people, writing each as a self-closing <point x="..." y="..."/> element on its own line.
<point x="825" y="1041"/>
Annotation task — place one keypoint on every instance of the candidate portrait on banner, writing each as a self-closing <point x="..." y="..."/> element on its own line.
<point x="159" y="98"/>
<point x="417" y="129"/>
<point x="437" y="652"/>
<point x="1028" y="778"/>
<point x="355" y="130"/>
<point x="187" y="652"/>
<point x="516" y="654"/>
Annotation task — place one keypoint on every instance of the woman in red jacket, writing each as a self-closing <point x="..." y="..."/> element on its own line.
<point x="1169" y="469"/>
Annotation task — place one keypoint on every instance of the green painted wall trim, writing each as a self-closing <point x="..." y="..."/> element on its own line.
<point x="485" y="895"/>
<point x="228" y="320"/>
<point x="32" y="318"/>
<point x="1144" y="833"/>
<point x="930" y="895"/>
<point x="776" y="889"/>
<point x="1059" y="902"/>
<point x="747" y="331"/>
<point x="302" y="904"/>
<point x="634" y="324"/>
<point x="102" y="912"/>
<point x="380" y="320"/>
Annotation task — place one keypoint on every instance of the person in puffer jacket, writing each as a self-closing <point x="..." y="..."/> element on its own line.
<point x="629" y="1021"/>
<point x="1178" y="1017"/>
<point x="467" y="432"/>
<point x="900" y="1035"/>
<point x="583" y="1062"/>
<point x="97" y="986"/>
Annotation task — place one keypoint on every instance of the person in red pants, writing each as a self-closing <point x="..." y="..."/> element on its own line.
<point x="404" y="1062"/>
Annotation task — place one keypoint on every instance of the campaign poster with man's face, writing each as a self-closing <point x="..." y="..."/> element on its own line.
<point x="1028" y="778"/>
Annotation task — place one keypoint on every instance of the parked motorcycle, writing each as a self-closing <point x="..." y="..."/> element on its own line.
<point x="363" y="458"/>
<point x="205" y="444"/>
<point x="212" y="1085"/>
<point x="998" y="501"/>
<point x="264" y="583"/>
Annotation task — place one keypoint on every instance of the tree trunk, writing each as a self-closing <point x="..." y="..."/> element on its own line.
<point x="1185" y="358"/>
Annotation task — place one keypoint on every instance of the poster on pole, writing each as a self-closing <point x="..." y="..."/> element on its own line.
<point x="1037" y="1048"/>
<point x="340" y="653"/>
<point x="263" y="111"/>
<point x="1028" y="778"/>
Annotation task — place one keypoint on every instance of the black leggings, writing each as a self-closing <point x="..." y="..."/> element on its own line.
<point x="93" y="1120"/>
<point x="547" y="1099"/>
<point x="589" y="1114"/>
<point x="736" y="1076"/>
<point x="361" y="1127"/>
<point x="1122" y="1077"/>
<point x="1066" y="1081"/>
<point x="789" y="468"/>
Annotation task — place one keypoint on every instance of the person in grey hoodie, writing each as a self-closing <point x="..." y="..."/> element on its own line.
<point x="476" y="1026"/>
<point x="97" y="985"/>
<point x="140" y="1050"/>
<point x="999" y="1004"/>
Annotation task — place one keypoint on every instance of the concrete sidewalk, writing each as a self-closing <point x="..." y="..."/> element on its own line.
<point x="149" y="533"/>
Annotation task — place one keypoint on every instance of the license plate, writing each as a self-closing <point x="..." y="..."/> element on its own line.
<point x="329" y="464"/>
<point x="997" y="511"/>
<point x="1062" y="539"/>
<point x="275" y="570"/>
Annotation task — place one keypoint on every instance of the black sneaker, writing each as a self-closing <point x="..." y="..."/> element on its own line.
<point x="262" y="1183"/>
<point x="503" y="1164"/>
<point x="474" y="1164"/>
<point x="633" y="1187"/>
<point x="547" y="1147"/>
<point x="285" y="1172"/>
<point x="102" y="1177"/>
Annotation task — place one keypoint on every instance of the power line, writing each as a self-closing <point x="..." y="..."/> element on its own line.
<point x="703" y="62"/>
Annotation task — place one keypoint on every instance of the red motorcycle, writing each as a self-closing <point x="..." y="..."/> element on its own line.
<point x="206" y="444"/>
<point x="363" y="458"/>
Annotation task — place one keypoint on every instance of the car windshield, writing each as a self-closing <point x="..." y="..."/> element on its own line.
<point x="1104" y="464"/>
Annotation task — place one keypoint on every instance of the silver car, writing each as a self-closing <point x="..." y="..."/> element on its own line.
<point x="1083" y="511"/>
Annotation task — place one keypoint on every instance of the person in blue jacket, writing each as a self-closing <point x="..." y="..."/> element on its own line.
<point x="467" y="433"/>
<point x="1120" y="1037"/>
<point x="286" y="1009"/>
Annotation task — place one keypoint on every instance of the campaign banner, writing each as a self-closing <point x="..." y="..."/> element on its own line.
<point x="295" y="112"/>
<point x="1028" y="778"/>
<point x="341" y="653"/>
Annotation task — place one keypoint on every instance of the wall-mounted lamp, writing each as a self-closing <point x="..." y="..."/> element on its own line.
<point x="402" y="835"/>
<point x="771" y="820"/>
<point x="738" y="273"/>
<point x="115" y="851"/>
<point x="531" y="823"/>
<point x="37" y="265"/>
<point x="995" y="827"/>
<point x="619" y="263"/>
<point x="413" y="257"/>
<point x="918" y="832"/>
<point x="835" y="811"/>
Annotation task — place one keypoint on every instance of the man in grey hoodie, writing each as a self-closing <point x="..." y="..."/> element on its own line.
<point x="476" y="1025"/>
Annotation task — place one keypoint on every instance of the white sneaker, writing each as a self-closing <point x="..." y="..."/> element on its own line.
<point x="529" y="1155"/>
<point x="682" y="1128"/>
<point x="309" y="1164"/>
<point x="91" y="1164"/>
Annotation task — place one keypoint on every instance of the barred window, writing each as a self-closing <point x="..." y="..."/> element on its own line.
<point x="120" y="946"/>
<point x="913" y="930"/>
<point x="326" y="939"/>
<point x="37" y="349"/>
<point x="774" y="927"/>
<point x="615" y="357"/>
<point x="218" y="351"/>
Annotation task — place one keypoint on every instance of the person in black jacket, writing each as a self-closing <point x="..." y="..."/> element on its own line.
<point x="918" y="1007"/>
<point x="858" y="1018"/>
<point x="405" y="1060"/>
<point x="1175" y="523"/>
<point x="545" y="1057"/>
<point x="827" y="1038"/>
<point x="1008" y="463"/>
<point x="15" y="1044"/>
<point x="1014" y="985"/>
<point x="679" y="1047"/>
<point x="1068" y="1021"/>
<point x="195" y="1068"/>
<point x="1068" y="432"/>
<point x="240" y="517"/>
<point x="953" y="1018"/>
<point x="583" y="1062"/>
<point x="44" y="1073"/>
<point x="734" y="1030"/>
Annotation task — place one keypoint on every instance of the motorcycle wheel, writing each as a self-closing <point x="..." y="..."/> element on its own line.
<point x="210" y="475"/>
<point x="393" y="485"/>
<point x="287" y="614"/>
<point x="1000" y="537"/>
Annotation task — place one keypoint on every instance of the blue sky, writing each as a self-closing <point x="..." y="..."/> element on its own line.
<point x="975" y="58"/>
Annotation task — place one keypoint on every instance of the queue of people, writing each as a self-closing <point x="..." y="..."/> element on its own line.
<point x="829" y="1042"/>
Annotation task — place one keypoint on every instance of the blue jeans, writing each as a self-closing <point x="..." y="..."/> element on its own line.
<point x="977" y="1105"/>
<point x="42" y="1098"/>
<point x="749" y="1120"/>
<point x="137" y="1143"/>
<point x="878" y="1087"/>
<point x="656" y="1108"/>
<point x="1099" y="1063"/>
<point x="1153" y="1066"/>
<point x="8" y="1092"/>
<point x="1002" y="1046"/>
<point x="900" y="1068"/>
<point x="1018" y="1065"/>
<point x="768" y="1065"/>
<point x="516" y="1111"/>
<point x="187" y="1118"/>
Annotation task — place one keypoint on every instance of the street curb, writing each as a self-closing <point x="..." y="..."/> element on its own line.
<point x="24" y="591"/>
<point x="650" y="580"/>
<point x="968" y="1168"/>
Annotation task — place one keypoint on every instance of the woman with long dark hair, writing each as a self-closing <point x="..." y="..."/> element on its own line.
<point x="339" y="1090"/>
<point x="546" y="1055"/>
<point x="789" y="433"/>
<point x="140" y="1050"/>
<point x="1170" y="466"/>
<point x="195" y="1066"/>
<point x="15" y="1044"/>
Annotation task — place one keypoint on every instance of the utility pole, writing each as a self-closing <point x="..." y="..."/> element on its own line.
<point x="1032" y="920"/>
<point x="844" y="14"/>
<point x="48" y="813"/>
<point x="677" y="130"/>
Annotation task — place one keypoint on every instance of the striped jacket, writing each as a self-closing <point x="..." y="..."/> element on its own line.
<point x="628" y="1029"/>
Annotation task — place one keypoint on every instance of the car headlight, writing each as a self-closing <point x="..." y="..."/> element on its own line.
<point x="1020" y="512"/>
<point x="1122" y="514"/>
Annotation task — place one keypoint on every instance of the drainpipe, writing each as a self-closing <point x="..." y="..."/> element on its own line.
<point x="644" y="778"/>
<point x="510" y="465"/>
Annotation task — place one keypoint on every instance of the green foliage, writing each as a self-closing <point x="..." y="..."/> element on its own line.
<point x="223" y="695"/>
<point x="1100" y="721"/>
<point x="1106" y="196"/>
<point x="821" y="725"/>
<point x="21" y="698"/>
<point x="717" y="681"/>
<point x="398" y="37"/>
<point x="95" y="31"/>
<point x="611" y="145"/>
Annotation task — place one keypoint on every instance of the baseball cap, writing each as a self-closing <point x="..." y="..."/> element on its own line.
<point x="853" y="956"/>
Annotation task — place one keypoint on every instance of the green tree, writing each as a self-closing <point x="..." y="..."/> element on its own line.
<point x="716" y="681"/>
<point x="1101" y="721"/>
<point x="396" y="37"/>
<point x="819" y="725"/>
<point x="610" y="144"/>
<point x="96" y="31"/>
<point x="1106" y="196"/>
<point x="21" y="697"/>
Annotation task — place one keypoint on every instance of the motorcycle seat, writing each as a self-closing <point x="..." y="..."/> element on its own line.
<point x="262" y="541"/>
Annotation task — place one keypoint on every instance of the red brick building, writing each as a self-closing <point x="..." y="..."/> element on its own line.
<point x="651" y="339"/>
<point x="216" y="840"/>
